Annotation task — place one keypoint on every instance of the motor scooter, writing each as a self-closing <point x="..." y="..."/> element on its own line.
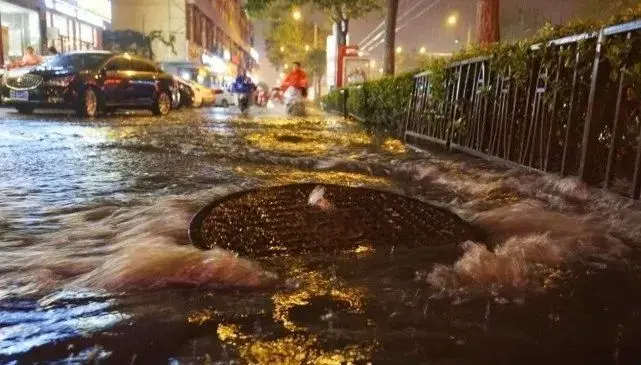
<point x="243" y="102"/>
<point x="295" y="103"/>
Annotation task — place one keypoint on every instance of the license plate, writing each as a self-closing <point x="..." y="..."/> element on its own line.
<point x="19" y="95"/>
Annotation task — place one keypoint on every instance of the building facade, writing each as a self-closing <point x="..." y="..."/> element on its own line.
<point x="65" y="24"/>
<point x="209" y="41"/>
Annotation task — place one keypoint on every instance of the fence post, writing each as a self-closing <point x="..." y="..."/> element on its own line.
<point x="590" y="130"/>
<point x="345" y="93"/>
<point x="409" y="114"/>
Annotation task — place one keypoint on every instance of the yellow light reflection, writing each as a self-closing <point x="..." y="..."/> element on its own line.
<point x="301" y="346"/>
<point x="365" y="249"/>
<point x="394" y="146"/>
<point x="314" y="284"/>
<point x="284" y="175"/>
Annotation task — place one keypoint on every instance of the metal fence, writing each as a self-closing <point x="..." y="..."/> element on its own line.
<point x="577" y="114"/>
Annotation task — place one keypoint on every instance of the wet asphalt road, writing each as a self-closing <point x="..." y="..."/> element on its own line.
<point x="93" y="236"/>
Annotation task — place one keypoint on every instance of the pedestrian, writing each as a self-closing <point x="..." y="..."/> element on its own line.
<point x="53" y="51"/>
<point x="30" y="58"/>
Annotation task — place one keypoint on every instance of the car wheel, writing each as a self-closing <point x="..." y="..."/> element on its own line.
<point x="224" y="103"/>
<point x="88" y="104"/>
<point x="25" y="109"/>
<point x="162" y="106"/>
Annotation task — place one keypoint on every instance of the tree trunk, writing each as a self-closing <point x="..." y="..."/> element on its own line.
<point x="343" y="29"/>
<point x="318" y="86"/>
<point x="390" y="38"/>
<point x="487" y="21"/>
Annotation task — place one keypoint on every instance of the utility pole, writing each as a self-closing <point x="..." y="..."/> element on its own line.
<point x="390" y="38"/>
<point x="487" y="21"/>
<point x="315" y="35"/>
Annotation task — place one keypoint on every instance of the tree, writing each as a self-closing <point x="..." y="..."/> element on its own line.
<point x="487" y="21"/>
<point x="604" y="9"/>
<point x="288" y="40"/>
<point x="317" y="65"/>
<point x="339" y="11"/>
<point x="390" y="38"/>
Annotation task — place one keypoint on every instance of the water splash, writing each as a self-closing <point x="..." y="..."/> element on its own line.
<point x="129" y="248"/>
<point x="531" y="244"/>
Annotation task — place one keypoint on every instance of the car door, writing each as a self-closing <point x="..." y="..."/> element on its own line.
<point x="116" y="82"/>
<point x="144" y="80"/>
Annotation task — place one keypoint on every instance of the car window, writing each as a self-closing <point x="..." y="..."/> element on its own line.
<point x="119" y="64"/>
<point x="143" y="66"/>
<point x="77" y="61"/>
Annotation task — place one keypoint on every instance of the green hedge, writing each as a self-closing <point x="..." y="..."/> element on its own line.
<point x="381" y="103"/>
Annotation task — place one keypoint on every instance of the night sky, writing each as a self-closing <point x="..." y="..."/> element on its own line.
<point x="429" y="28"/>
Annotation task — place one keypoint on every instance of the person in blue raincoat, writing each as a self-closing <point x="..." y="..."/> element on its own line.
<point x="243" y="85"/>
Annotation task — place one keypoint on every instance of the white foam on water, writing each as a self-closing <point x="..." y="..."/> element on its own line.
<point x="131" y="248"/>
<point x="532" y="244"/>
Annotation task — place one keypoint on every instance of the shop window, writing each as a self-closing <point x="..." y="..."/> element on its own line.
<point x="86" y="33"/>
<point x="20" y="28"/>
<point x="61" y="23"/>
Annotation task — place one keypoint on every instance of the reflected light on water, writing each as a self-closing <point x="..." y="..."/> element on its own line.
<point x="30" y="325"/>
<point x="314" y="284"/>
<point x="284" y="175"/>
<point x="292" y="349"/>
<point x="307" y="142"/>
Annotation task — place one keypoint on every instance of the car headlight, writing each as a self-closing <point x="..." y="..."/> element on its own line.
<point x="60" y="81"/>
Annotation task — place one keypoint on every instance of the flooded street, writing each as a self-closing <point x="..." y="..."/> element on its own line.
<point x="96" y="263"/>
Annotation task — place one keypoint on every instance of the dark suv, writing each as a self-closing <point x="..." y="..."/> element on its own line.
<point x="90" y="82"/>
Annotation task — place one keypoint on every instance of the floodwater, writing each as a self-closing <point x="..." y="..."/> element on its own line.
<point x="96" y="265"/>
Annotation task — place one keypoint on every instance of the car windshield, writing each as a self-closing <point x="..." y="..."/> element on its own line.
<point x="80" y="61"/>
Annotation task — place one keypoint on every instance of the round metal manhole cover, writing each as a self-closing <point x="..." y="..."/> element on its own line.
<point x="282" y="220"/>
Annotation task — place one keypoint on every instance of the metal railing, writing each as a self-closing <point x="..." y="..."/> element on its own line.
<point x="577" y="113"/>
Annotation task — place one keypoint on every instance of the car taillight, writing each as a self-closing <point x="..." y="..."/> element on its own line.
<point x="63" y="81"/>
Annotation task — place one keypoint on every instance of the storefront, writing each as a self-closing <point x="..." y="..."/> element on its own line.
<point x="19" y="28"/>
<point x="76" y="24"/>
<point x="215" y="69"/>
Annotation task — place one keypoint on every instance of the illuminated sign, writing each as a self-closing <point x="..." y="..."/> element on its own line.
<point x="217" y="65"/>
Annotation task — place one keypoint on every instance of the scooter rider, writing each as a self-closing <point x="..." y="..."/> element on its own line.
<point x="243" y="86"/>
<point x="297" y="78"/>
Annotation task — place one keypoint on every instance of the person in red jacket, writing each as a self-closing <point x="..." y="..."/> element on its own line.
<point x="296" y="78"/>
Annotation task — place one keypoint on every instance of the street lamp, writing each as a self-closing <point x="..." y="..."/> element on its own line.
<point x="286" y="66"/>
<point x="399" y="49"/>
<point x="452" y="20"/>
<point x="297" y="15"/>
<point x="307" y="48"/>
<point x="282" y="49"/>
<point x="372" y="63"/>
<point x="422" y="50"/>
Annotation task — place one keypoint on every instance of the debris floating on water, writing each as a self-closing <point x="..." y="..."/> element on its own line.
<point x="317" y="198"/>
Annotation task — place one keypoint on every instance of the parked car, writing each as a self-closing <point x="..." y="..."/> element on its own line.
<point x="224" y="98"/>
<point x="206" y="94"/>
<point x="90" y="82"/>
<point x="186" y="95"/>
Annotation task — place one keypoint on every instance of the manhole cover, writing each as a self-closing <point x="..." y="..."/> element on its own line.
<point x="280" y="220"/>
